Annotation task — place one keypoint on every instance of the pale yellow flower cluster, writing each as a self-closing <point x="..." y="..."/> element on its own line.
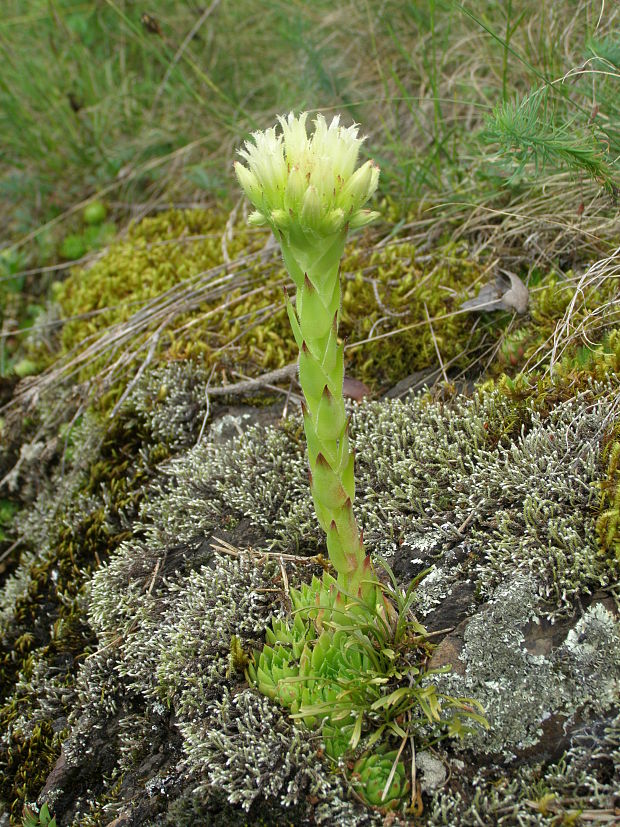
<point x="307" y="183"/>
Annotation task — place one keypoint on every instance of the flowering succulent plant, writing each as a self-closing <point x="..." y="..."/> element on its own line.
<point x="332" y="663"/>
<point x="307" y="190"/>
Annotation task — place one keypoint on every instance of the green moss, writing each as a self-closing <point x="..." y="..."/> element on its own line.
<point x="29" y="761"/>
<point x="554" y="300"/>
<point x="579" y="369"/>
<point x="95" y="815"/>
<point x="392" y="289"/>
<point x="155" y="256"/>
<point x="8" y="509"/>
<point x="608" y="523"/>
<point x="244" y="326"/>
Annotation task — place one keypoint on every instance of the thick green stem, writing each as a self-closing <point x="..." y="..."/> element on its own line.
<point x="315" y="271"/>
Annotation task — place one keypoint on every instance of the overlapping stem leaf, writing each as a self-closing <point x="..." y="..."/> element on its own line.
<point x="314" y="320"/>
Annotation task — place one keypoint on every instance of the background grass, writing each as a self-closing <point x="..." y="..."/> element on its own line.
<point x="493" y="123"/>
<point x="96" y="97"/>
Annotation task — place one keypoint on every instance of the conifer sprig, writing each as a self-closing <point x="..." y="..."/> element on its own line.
<point x="527" y="130"/>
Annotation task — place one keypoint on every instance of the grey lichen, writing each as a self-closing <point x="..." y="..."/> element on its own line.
<point x="41" y="695"/>
<point x="14" y="588"/>
<point x="169" y="607"/>
<point x="248" y="748"/>
<point x="177" y="651"/>
<point x="589" y="659"/>
<point x="527" y="501"/>
<point x="432" y="771"/>
<point x="173" y="401"/>
<point x="234" y="597"/>
<point x="176" y="626"/>
<point x="520" y="690"/>
<point x="585" y="780"/>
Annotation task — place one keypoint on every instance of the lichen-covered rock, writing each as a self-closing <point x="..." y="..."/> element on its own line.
<point x="157" y="723"/>
<point x="521" y="691"/>
<point x="584" y="782"/>
<point x="87" y="500"/>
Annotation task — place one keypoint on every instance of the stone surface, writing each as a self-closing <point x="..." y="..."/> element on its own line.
<point x="162" y="732"/>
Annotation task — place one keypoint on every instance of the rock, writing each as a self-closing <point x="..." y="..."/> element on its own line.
<point x="161" y="731"/>
<point x="448" y="652"/>
<point x="532" y="677"/>
<point x="432" y="771"/>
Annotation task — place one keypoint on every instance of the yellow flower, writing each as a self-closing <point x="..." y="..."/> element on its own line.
<point x="296" y="181"/>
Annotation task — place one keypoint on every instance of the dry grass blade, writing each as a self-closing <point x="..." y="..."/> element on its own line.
<point x="390" y="777"/>
<point x="437" y="351"/>
<point x="224" y="547"/>
<point x="567" y="331"/>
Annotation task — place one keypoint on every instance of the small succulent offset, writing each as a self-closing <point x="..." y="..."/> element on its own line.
<point x="307" y="190"/>
<point x="373" y="773"/>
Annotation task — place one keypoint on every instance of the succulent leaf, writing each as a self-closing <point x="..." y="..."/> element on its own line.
<point x="314" y="314"/>
<point x="331" y="419"/>
<point x="312" y="377"/>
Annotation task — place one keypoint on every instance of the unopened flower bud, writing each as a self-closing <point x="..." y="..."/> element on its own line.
<point x="281" y="219"/>
<point x="360" y="186"/>
<point x="333" y="222"/>
<point x="295" y="189"/>
<point x="257" y="219"/>
<point x="362" y="217"/>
